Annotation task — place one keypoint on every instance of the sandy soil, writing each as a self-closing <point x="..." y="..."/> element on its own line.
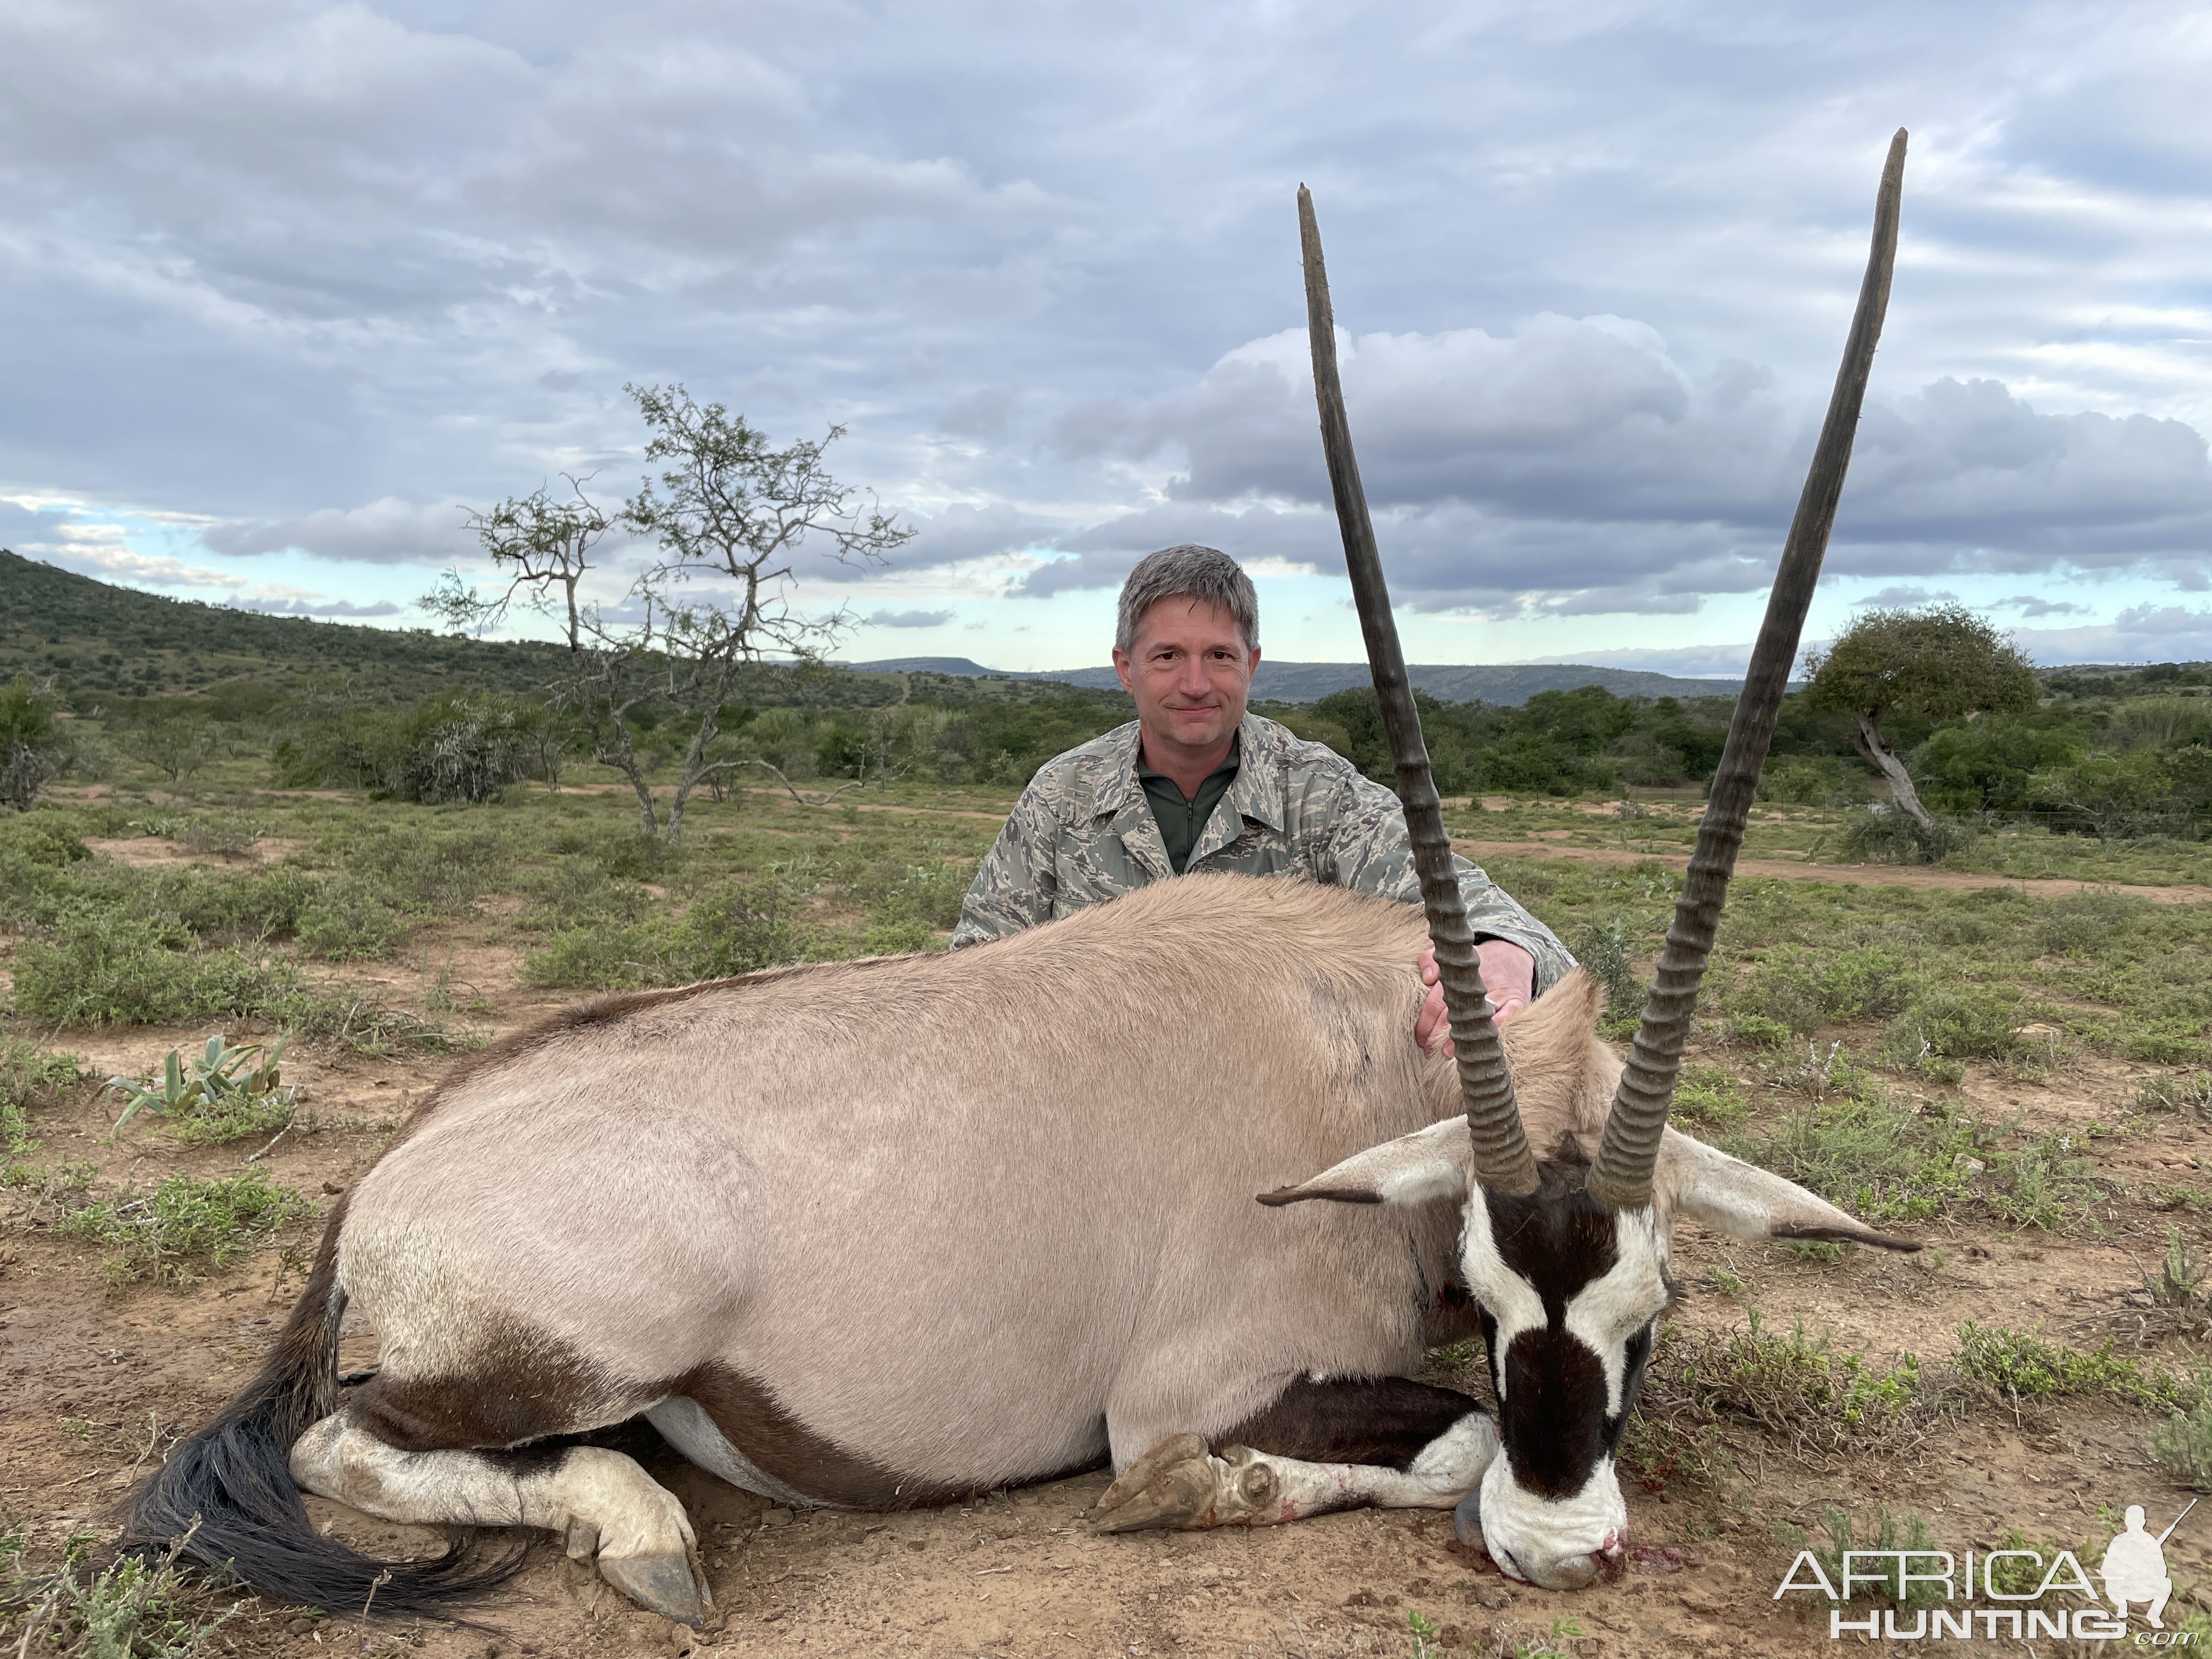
<point x="94" y="1384"/>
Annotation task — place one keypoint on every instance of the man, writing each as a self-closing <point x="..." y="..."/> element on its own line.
<point x="1197" y="783"/>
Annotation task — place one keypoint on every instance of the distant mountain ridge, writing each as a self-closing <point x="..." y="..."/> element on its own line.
<point x="1509" y="685"/>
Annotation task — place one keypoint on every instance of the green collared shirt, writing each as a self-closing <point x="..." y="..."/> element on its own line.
<point x="1182" y="819"/>
<point x="1085" y="831"/>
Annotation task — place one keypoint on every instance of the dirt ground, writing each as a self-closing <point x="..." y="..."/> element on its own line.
<point x="94" y="1384"/>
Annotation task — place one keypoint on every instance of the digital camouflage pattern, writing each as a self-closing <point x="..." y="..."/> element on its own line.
<point x="1083" y="832"/>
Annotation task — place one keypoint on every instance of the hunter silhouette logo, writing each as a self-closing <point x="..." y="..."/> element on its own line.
<point x="2133" y="1569"/>
<point x="2008" y="1592"/>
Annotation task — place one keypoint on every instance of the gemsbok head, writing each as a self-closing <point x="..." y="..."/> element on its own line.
<point x="1565" y="1255"/>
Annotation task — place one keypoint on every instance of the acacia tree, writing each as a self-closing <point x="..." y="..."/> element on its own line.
<point x="1944" y="663"/>
<point x="729" y="516"/>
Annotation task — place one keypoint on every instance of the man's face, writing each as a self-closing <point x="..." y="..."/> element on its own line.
<point x="1190" y="673"/>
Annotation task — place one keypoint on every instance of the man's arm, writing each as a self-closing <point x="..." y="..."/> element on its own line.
<point x="1014" y="885"/>
<point x="1368" y="850"/>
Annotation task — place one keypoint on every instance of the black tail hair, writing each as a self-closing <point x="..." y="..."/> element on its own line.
<point x="227" y="1492"/>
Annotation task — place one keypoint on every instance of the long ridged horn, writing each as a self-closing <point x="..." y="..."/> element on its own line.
<point x="1630" y="1152"/>
<point x="1503" y="1162"/>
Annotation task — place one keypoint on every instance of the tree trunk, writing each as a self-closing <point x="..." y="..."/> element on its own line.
<point x="1868" y="740"/>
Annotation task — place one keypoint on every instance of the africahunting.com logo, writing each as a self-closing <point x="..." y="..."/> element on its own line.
<point x="1937" y="1597"/>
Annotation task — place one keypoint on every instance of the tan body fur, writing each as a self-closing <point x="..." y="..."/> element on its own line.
<point x="956" y="1216"/>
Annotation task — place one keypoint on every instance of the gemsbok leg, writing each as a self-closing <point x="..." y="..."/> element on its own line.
<point x="1322" y="1446"/>
<point x="607" y="1508"/>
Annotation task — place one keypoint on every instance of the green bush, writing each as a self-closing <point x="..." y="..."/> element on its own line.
<point x="1889" y="836"/>
<point x="1812" y="781"/>
<point x="1709" y="1095"/>
<point x="2182" y="1447"/>
<point x="2012" y="1362"/>
<point x="2084" y="923"/>
<point x="898" y="938"/>
<point x="104" y="969"/>
<point x="460" y="746"/>
<point x="1956" y="1022"/>
<point x="348" y="920"/>
<point x="739" y="928"/>
<point x="1783" y="988"/>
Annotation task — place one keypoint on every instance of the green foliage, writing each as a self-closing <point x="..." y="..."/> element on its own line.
<point x="133" y="1608"/>
<point x="1603" y="954"/>
<point x="32" y="747"/>
<point x="29" y="1078"/>
<point x="186" y="1224"/>
<point x="102" y="967"/>
<point x="739" y="928"/>
<point x="1954" y="1022"/>
<point x="349" y="920"/>
<point x="1708" y="1097"/>
<point x="1800" y="1391"/>
<point x="1811" y="781"/>
<point x="1888" y="837"/>
<point x="1858" y="1148"/>
<point x="2182" y="1447"/>
<point x="1942" y="663"/>
<point x="222" y="1094"/>
<point x="1986" y="765"/>
<point x="460" y="746"/>
<point x="2014" y="1362"/>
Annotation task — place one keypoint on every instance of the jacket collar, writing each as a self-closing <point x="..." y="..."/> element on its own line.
<point x="1262" y="773"/>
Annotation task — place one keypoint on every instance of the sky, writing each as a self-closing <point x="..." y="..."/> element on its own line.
<point x="288" y="287"/>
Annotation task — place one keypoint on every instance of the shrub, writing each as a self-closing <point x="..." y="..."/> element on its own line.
<point x="2182" y="1447"/>
<point x="1954" y="1022"/>
<point x="463" y="747"/>
<point x="348" y="920"/>
<point x="2013" y="1363"/>
<point x="34" y="749"/>
<point x="1811" y="781"/>
<point x="739" y="928"/>
<point x="1783" y="988"/>
<point x="106" y="969"/>
<point x="2083" y="923"/>
<point x="1709" y="1095"/>
<point x="186" y="1224"/>
<point x="1894" y="838"/>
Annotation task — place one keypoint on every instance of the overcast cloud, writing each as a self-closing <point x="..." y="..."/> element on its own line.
<point x="294" y="282"/>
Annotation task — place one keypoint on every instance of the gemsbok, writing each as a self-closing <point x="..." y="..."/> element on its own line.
<point x="877" y="1234"/>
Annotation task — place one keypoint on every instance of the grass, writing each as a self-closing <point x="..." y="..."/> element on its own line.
<point x="186" y="1226"/>
<point x="2020" y="1366"/>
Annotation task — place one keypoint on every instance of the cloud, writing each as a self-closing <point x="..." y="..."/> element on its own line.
<point x="2139" y="634"/>
<point x="1897" y="597"/>
<point x="2032" y="606"/>
<point x="310" y="607"/>
<point x="1598" y="261"/>
<point x="910" y="618"/>
<point x="1574" y="467"/>
<point x="388" y="530"/>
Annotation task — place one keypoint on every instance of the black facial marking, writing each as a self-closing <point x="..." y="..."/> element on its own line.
<point x="1553" y="1416"/>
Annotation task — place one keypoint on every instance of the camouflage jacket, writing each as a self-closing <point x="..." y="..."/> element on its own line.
<point x="1083" y="832"/>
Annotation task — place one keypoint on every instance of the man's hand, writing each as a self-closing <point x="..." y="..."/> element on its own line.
<point x="1509" y="973"/>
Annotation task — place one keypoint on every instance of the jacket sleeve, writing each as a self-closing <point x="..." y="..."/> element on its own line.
<point x="1014" y="885"/>
<point x="1368" y="850"/>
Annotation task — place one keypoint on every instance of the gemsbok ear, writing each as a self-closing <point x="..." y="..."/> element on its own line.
<point x="1744" y="1201"/>
<point x="1431" y="1162"/>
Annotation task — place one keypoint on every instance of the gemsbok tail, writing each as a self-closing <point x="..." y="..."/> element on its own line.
<point x="227" y="1492"/>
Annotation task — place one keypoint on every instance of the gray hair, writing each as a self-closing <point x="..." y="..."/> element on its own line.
<point x="1205" y="574"/>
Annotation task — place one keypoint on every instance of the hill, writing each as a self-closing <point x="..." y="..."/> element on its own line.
<point x="94" y="639"/>
<point x="1509" y="685"/>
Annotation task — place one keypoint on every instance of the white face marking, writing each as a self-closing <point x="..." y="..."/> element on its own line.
<point x="1608" y="1311"/>
<point x="1551" y="1542"/>
<point x="1510" y="1299"/>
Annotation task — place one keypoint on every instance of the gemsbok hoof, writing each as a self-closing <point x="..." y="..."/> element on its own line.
<point x="1178" y="1484"/>
<point x="666" y="1584"/>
